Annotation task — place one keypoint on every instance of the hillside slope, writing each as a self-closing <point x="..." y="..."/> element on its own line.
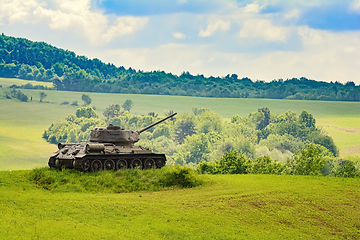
<point x="228" y="207"/>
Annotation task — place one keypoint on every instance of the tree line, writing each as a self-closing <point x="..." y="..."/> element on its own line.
<point x="262" y="140"/>
<point x="25" y="59"/>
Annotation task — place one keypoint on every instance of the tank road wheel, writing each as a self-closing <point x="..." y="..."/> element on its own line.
<point x="160" y="162"/>
<point x="109" y="165"/>
<point x="86" y="165"/>
<point x="96" y="166"/>
<point x="149" y="163"/>
<point x="136" y="163"/>
<point x="121" y="164"/>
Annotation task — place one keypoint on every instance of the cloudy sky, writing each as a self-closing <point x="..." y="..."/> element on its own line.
<point x="257" y="39"/>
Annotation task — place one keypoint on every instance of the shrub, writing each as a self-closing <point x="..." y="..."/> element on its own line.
<point x="345" y="169"/>
<point x="130" y="180"/>
<point x="232" y="163"/>
<point x="264" y="165"/>
<point x="179" y="176"/>
<point x="307" y="161"/>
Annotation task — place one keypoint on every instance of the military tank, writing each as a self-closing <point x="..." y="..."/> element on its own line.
<point x="110" y="148"/>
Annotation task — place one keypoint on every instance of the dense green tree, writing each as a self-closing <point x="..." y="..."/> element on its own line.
<point x="307" y="119"/>
<point x="184" y="128"/>
<point x="86" y="112"/>
<point x="112" y="111"/>
<point x="86" y="99"/>
<point x="307" y="161"/>
<point x="265" y="165"/>
<point x="43" y="95"/>
<point x="127" y="105"/>
<point x="232" y="163"/>
<point x="265" y="119"/>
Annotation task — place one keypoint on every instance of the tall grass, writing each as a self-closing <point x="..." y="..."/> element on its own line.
<point x="129" y="180"/>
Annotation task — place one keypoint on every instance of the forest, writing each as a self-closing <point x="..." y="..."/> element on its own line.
<point x="261" y="142"/>
<point x="25" y="59"/>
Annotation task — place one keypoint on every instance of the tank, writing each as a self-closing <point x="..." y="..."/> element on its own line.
<point x="110" y="148"/>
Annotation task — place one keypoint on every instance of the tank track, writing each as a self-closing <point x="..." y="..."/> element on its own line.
<point x="111" y="162"/>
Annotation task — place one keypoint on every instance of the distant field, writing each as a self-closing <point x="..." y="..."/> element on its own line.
<point x="228" y="207"/>
<point x="22" y="124"/>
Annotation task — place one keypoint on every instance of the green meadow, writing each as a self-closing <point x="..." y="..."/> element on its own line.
<point x="23" y="123"/>
<point x="224" y="207"/>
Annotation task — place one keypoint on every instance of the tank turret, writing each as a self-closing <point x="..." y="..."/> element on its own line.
<point x="119" y="136"/>
<point x="110" y="148"/>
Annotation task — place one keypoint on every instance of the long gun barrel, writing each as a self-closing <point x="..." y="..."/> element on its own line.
<point x="146" y="128"/>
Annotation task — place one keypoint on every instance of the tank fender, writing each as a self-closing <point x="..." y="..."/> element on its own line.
<point x="54" y="154"/>
<point x="94" y="147"/>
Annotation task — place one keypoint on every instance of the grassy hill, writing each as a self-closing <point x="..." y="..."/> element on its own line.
<point x="22" y="124"/>
<point x="226" y="207"/>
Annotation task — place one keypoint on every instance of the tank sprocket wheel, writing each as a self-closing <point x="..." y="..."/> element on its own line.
<point x="136" y="163"/>
<point x="109" y="165"/>
<point x="86" y="165"/>
<point x="51" y="162"/>
<point x="160" y="162"/>
<point x="149" y="163"/>
<point x="96" y="165"/>
<point x="121" y="164"/>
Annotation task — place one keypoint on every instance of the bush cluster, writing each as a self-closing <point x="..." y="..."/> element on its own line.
<point x="129" y="180"/>
<point x="311" y="160"/>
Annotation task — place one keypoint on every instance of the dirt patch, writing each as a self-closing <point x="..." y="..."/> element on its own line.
<point x="351" y="151"/>
<point x="350" y="130"/>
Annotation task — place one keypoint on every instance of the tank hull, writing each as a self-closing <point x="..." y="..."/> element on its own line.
<point x="93" y="163"/>
<point x="96" y="157"/>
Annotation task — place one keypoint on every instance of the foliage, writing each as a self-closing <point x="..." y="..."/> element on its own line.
<point x="230" y="163"/>
<point x="17" y="94"/>
<point x="73" y="128"/>
<point x="112" y="111"/>
<point x="42" y="96"/>
<point x="191" y="139"/>
<point x="40" y="61"/>
<point x="307" y="161"/>
<point x="265" y="165"/>
<point x="129" y="180"/>
<point x="86" y="99"/>
<point x="183" y="129"/>
<point x="127" y="105"/>
<point x="345" y="168"/>
<point x="86" y="112"/>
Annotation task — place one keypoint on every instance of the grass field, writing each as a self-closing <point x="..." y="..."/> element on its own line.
<point x="22" y="124"/>
<point x="227" y="207"/>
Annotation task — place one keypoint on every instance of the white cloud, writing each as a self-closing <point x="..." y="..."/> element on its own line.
<point x="263" y="29"/>
<point x="355" y="6"/>
<point x="179" y="35"/>
<point x="215" y="26"/>
<point x="16" y="11"/>
<point x="293" y="14"/>
<point x="251" y="8"/>
<point x="74" y="16"/>
<point x="325" y="56"/>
